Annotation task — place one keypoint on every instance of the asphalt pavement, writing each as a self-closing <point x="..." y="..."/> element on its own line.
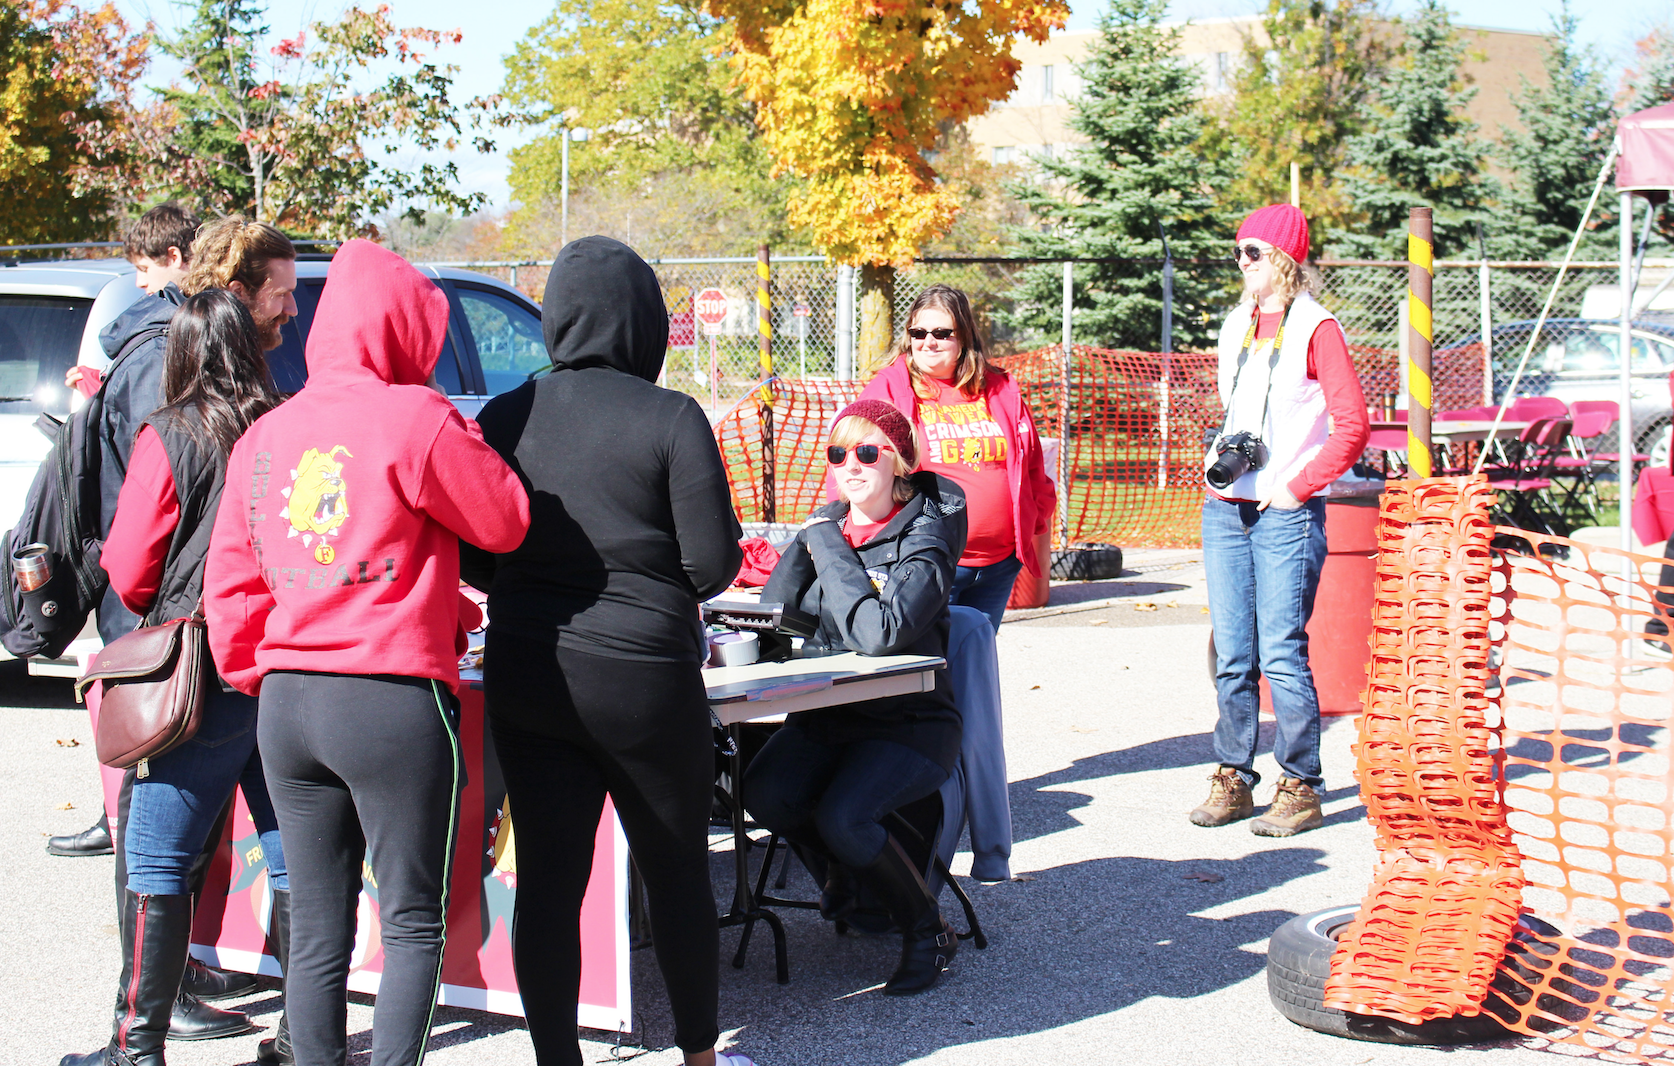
<point x="1128" y="935"/>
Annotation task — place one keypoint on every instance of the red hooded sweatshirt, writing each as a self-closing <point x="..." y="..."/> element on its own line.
<point x="336" y="548"/>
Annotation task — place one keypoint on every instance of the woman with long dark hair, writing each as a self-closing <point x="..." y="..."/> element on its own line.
<point x="215" y="383"/>
<point x="979" y="434"/>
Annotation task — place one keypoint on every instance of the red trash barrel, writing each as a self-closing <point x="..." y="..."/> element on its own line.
<point x="1340" y="631"/>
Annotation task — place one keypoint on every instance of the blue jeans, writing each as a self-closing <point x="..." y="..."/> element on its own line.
<point x="176" y="805"/>
<point x="832" y="797"/>
<point x="1263" y="569"/>
<point x="987" y="588"/>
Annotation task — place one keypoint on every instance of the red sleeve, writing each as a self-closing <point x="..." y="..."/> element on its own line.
<point x="91" y="378"/>
<point x="1330" y="365"/>
<point x="146" y="513"/>
<point x="236" y="597"/>
<point x="1035" y="480"/>
<point x="469" y="489"/>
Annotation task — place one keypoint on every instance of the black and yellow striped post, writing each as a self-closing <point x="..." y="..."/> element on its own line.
<point x="1421" y="274"/>
<point x="764" y="397"/>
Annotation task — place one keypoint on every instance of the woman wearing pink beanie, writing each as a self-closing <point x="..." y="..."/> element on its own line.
<point x="1295" y="420"/>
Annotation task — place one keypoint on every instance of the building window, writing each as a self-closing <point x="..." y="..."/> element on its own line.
<point x="1046" y="85"/>
<point x="1223" y="71"/>
<point x="1002" y="154"/>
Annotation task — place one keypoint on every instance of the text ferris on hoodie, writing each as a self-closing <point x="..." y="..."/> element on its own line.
<point x="336" y="548"/>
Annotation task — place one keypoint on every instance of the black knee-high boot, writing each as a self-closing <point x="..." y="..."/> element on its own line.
<point x="928" y="942"/>
<point x="155" y="933"/>
<point x="276" y="1050"/>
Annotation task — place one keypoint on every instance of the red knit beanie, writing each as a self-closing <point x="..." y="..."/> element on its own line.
<point x="887" y="417"/>
<point x="1281" y="225"/>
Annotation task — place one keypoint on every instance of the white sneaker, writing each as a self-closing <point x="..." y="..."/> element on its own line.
<point x="726" y="1058"/>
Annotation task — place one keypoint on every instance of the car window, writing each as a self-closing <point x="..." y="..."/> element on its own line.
<point x="286" y="361"/>
<point x="290" y="368"/>
<point x="39" y="339"/>
<point x="1595" y="351"/>
<point x="508" y="336"/>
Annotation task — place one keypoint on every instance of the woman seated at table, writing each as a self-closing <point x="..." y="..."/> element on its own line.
<point x="876" y="568"/>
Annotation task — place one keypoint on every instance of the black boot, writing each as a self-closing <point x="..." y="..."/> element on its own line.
<point x="928" y="942"/>
<point x="208" y="983"/>
<point x="94" y="840"/>
<point x="155" y="934"/>
<point x="193" y="1019"/>
<point x="276" y="1051"/>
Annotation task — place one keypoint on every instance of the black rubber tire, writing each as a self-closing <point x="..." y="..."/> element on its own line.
<point x="1299" y="961"/>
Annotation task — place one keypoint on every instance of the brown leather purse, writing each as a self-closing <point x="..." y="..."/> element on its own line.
<point x="152" y="687"/>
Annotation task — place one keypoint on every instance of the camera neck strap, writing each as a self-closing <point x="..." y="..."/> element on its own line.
<point x="1243" y="357"/>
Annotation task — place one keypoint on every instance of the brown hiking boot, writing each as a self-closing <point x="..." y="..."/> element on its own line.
<point x="1229" y="799"/>
<point x="1295" y="810"/>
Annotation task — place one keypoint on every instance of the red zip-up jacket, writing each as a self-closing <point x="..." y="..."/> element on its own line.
<point x="336" y="548"/>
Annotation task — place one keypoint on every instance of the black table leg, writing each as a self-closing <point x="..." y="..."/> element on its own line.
<point x="745" y="911"/>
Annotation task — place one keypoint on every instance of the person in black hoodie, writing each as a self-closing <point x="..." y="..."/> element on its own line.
<point x="591" y="672"/>
<point x="877" y="569"/>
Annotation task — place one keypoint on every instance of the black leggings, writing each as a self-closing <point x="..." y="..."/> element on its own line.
<point x="362" y="767"/>
<point x="570" y="727"/>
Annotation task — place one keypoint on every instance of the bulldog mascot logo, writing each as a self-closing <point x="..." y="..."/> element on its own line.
<point x="319" y="503"/>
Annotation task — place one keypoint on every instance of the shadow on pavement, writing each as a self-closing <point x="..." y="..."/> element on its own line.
<point x="1069" y="944"/>
<point x="19" y="688"/>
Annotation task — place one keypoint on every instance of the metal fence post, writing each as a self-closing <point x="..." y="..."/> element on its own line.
<point x="764" y="326"/>
<point x="1420" y="298"/>
<point x="1487" y="309"/>
<point x="1063" y="409"/>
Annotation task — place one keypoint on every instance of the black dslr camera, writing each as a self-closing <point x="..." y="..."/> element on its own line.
<point x="1239" y="453"/>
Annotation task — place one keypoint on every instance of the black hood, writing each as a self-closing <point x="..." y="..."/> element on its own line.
<point x="148" y="311"/>
<point x="603" y="307"/>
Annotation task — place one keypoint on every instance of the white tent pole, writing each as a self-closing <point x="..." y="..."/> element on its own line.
<point x="1540" y="323"/>
<point x="1625" y="376"/>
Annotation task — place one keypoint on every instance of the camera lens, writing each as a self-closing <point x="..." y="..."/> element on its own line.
<point x="1231" y="466"/>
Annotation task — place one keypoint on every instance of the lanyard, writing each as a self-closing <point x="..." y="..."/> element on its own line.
<point x="1244" y="355"/>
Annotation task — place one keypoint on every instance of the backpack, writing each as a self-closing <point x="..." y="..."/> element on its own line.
<point x="62" y="511"/>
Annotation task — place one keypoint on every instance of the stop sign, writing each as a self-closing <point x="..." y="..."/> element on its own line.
<point x="710" y="306"/>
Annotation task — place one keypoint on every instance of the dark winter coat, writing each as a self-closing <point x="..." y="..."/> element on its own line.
<point x="200" y="472"/>
<point x="887" y="597"/>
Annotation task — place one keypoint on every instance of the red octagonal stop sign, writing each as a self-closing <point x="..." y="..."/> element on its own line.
<point x="710" y="306"/>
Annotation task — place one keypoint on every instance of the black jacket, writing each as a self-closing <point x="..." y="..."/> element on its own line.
<point x="200" y="472"/>
<point x="133" y="389"/>
<point x="631" y="517"/>
<point x="887" y="597"/>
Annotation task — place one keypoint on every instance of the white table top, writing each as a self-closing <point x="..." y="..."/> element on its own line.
<point x="1455" y="431"/>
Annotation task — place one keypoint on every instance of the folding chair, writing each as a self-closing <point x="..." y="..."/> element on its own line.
<point x="1525" y="483"/>
<point x="1590" y="418"/>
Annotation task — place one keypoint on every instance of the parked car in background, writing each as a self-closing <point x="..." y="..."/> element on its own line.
<point x="51" y="315"/>
<point x="1580" y="359"/>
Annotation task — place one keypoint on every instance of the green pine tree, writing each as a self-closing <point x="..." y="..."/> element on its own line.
<point x="1651" y="80"/>
<point x="1567" y="128"/>
<point x="1140" y="168"/>
<point x="1419" y="150"/>
<point x="217" y="49"/>
<point x="1301" y="92"/>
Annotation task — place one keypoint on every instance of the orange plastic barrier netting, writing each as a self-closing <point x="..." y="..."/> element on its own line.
<point x="1444" y="896"/>
<point x="1136" y="422"/>
<point x="1587" y="777"/>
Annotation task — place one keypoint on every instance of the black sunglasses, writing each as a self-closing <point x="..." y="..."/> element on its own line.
<point x="866" y="453"/>
<point x="1252" y="252"/>
<point x="940" y="334"/>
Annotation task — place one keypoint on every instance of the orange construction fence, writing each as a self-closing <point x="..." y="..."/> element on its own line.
<point x="1135" y="428"/>
<point x="1515" y="758"/>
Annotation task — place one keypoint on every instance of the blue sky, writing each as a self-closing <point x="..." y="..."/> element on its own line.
<point x="492" y="30"/>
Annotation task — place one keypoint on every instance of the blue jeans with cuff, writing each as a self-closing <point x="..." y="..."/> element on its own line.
<point x="174" y="807"/>
<point x="987" y="588"/>
<point x="1263" y="570"/>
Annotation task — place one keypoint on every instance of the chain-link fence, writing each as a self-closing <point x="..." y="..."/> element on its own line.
<point x="1018" y="304"/>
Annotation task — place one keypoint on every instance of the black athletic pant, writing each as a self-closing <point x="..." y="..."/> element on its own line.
<point x="362" y="767"/>
<point x="570" y="727"/>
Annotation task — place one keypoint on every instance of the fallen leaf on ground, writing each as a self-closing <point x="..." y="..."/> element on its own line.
<point x="1099" y="622"/>
<point x="65" y="807"/>
<point x="1208" y="879"/>
<point x="1033" y="687"/>
<point x="70" y="743"/>
<point x="1172" y="603"/>
<point x="1203" y="610"/>
<point x="1144" y="606"/>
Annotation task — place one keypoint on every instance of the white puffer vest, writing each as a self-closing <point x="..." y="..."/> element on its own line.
<point x="1296" y="424"/>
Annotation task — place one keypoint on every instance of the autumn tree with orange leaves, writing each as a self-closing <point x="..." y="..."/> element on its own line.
<point x="851" y="95"/>
<point x="67" y="119"/>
